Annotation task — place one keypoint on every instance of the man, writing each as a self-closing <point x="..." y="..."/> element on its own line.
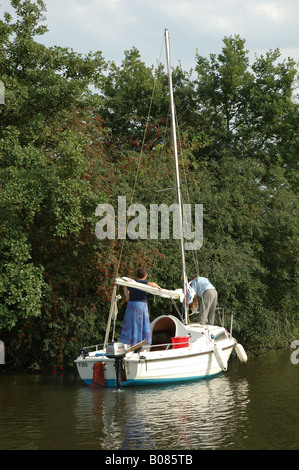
<point x="209" y="296"/>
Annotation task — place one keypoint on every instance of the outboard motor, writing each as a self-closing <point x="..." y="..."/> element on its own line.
<point x="84" y="353"/>
<point x="117" y="352"/>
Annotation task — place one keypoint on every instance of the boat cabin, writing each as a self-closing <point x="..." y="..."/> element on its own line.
<point x="163" y="329"/>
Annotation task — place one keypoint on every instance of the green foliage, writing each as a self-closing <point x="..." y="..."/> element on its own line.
<point x="65" y="149"/>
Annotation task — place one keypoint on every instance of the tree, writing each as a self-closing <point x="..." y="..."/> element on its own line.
<point x="249" y="110"/>
<point x="47" y="205"/>
<point x="135" y="104"/>
<point x="252" y="124"/>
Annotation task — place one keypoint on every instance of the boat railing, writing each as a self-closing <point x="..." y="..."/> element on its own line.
<point x="161" y="346"/>
<point x="221" y="314"/>
<point x="166" y="346"/>
<point x="95" y="347"/>
<point x="147" y="347"/>
<point x="218" y="310"/>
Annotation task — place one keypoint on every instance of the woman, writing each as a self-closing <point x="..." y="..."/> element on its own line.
<point x="136" y="325"/>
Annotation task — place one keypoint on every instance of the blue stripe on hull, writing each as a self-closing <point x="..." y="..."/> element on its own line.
<point x="111" y="383"/>
<point x="87" y="381"/>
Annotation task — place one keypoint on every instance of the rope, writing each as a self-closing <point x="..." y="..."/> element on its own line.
<point x="141" y="154"/>
<point x="113" y="313"/>
<point x="195" y="259"/>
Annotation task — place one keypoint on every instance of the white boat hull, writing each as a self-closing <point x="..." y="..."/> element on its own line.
<point x="196" y="361"/>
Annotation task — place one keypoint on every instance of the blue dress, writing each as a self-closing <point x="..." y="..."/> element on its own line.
<point x="136" y="325"/>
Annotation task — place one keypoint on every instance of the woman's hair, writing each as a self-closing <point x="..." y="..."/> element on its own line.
<point x="141" y="273"/>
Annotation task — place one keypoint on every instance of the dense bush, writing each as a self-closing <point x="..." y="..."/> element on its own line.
<point x="64" y="149"/>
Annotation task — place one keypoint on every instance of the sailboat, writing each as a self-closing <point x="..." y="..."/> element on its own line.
<point x="180" y="351"/>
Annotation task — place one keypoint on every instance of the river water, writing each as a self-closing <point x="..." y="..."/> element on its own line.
<point x="249" y="407"/>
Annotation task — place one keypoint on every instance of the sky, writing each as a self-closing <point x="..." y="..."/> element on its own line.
<point x="113" y="26"/>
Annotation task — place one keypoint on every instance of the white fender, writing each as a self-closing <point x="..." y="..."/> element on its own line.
<point x="241" y="352"/>
<point x="222" y="362"/>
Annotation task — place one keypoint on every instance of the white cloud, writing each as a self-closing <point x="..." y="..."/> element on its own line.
<point x="113" y="26"/>
<point x="274" y="11"/>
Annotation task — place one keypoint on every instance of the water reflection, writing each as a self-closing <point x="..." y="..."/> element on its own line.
<point x="250" y="407"/>
<point x="187" y="416"/>
<point x="34" y="411"/>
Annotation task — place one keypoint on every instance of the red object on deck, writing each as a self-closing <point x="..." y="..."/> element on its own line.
<point x="180" y="342"/>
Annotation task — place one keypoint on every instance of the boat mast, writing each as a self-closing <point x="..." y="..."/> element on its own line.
<point x="177" y="174"/>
